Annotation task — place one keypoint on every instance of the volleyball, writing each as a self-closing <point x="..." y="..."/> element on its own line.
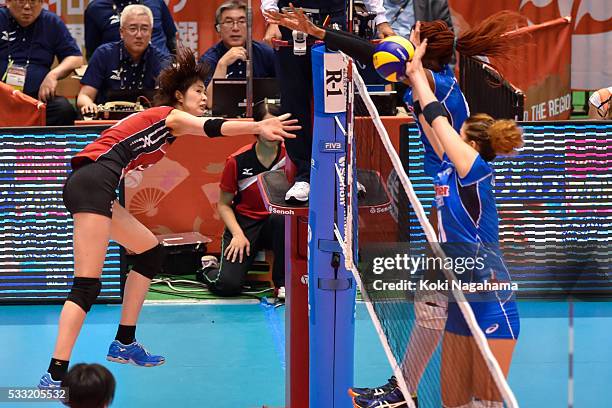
<point x="391" y="56"/>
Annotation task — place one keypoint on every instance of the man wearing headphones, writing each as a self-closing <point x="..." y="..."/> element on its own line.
<point x="228" y="57"/>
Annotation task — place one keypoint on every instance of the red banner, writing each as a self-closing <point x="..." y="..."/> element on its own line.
<point x="18" y="109"/>
<point x="591" y="31"/>
<point x="542" y="69"/>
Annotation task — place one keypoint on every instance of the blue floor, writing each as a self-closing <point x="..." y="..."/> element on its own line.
<point x="232" y="355"/>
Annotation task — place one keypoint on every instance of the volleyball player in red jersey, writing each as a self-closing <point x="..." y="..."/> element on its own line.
<point x="136" y="142"/>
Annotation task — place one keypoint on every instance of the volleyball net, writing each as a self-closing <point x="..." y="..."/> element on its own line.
<point x="379" y="249"/>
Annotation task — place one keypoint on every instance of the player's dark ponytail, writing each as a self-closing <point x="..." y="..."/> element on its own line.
<point x="179" y="76"/>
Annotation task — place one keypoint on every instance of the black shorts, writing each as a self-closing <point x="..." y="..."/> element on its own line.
<point x="92" y="188"/>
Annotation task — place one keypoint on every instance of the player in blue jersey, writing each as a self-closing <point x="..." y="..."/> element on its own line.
<point x="468" y="225"/>
<point x="486" y="39"/>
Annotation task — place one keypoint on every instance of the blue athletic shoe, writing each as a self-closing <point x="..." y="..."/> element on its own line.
<point x="392" y="399"/>
<point x="133" y="353"/>
<point x="47" y="382"/>
<point x="374" y="392"/>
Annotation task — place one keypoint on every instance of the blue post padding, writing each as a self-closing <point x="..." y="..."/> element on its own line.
<point x="331" y="312"/>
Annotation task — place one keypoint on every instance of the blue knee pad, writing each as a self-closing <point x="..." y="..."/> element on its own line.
<point x="149" y="263"/>
<point x="84" y="292"/>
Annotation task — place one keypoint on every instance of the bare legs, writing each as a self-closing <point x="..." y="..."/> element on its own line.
<point x="131" y="234"/>
<point x="91" y="235"/>
<point x="465" y="374"/>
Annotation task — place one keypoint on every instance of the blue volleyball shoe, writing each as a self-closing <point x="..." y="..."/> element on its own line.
<point x="133" y="353"/>
<point x="392" y="399"/>
<point x="374" y="392"/>
<point x="47" y="382"/>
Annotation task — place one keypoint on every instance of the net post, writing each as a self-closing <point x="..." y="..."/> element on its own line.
<point x="332" y="288"/>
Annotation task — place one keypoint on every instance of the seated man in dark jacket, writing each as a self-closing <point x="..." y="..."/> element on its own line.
<point x="131" y="64"/>
<point x="102" y="24"/>
<point x="227" y="58"/>
<point x="30" y="39"/>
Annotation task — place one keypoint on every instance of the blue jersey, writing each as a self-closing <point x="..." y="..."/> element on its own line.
<point x="466" y="206"/>
<point x="467" y="219"/>
<point x="448" y="93"/>
<point x="468" y="226"/>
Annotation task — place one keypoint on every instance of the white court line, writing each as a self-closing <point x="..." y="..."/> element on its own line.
<point x="196" y="302"/>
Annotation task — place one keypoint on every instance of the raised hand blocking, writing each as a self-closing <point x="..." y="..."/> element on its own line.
<point x="414" y="68"/>
<point x="295" y="19"/>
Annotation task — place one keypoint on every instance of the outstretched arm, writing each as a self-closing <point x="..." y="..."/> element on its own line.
<point x="273" y="129"/>
<point x="352" y="45"/>
<point x="460" y="153"/>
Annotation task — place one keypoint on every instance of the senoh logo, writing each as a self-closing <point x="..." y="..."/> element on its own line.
<point x="441" y="191"/>
<point x="280" y="211"/>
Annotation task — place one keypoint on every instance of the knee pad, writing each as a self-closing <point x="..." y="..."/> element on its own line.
<point x="84" y="292"/>
<point x="149" y="263"/>
<point x="431" y="309"/>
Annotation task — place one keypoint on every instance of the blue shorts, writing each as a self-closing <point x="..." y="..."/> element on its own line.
<point x="496" y="319"/>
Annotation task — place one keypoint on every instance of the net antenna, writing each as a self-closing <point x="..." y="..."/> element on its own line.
<point x="349" y="15"/>
<point x="350" y="163"/>
<point x="347" y="247"/>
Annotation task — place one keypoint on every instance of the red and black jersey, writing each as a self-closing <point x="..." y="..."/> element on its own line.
<point x="136" y="142"/>
<point x="240" y="178"/>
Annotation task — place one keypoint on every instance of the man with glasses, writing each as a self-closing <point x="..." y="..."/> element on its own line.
<point x="227" y="58"/>
<point x="131" y="64"/>
<point x="102" y="24"/>
<point x="600" y="103"/>
<point x="30" y="40"/>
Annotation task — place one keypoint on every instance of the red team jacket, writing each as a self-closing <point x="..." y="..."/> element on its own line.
<point x="240" y="178"/>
